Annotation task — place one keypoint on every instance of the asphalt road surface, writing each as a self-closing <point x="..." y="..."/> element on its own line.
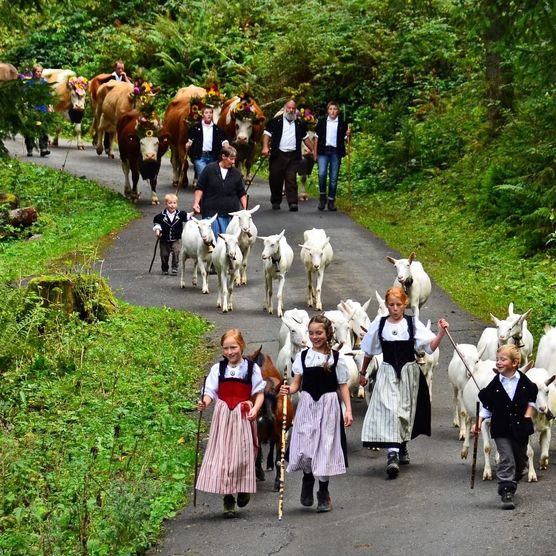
<point x="429" y="509"/>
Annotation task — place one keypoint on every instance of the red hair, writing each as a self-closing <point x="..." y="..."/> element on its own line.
<point x="235" y="334"/>
<point x="399" y="293"/>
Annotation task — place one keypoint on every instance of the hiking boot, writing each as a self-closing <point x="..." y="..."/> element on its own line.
<point x="174" y="271"/>
<point x="45" y="153"/>
<point x="243" y="499"/>
<point x="322" y="202"/>
<point x="324" y="503"/>
<point x="275" y="206"/>
<point x="404" y="455"/>
<point x="165" y="273"/>
<point x="393" y="465"/>
<point x="508" y="500"/>
<point x="229" y="506"/>
<point x="307" y="485"/>
<point x="331" y="205"/>
<point x="293" y="207"/>
<point x="29" y="153"/>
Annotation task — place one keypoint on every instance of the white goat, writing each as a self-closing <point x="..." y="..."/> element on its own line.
<point x="512" y="330"/>
<point x="277" y="260"/>
<point x="197" y="243"/>
<point x="296" y="339"/>
<point x="545" y="410"/>
<point x="316" y="254"/>
<point x="243" y="227"/>
<point x="546" y="352"/>
<point x="483" y="374"/>
<point x="427" y="362"/>
<point x="458" y="377"/>
<point x="356" y="315"/>
<point x="341" y="327"/>
<point x="411" y="276"/>
<point x="227" y="259"/>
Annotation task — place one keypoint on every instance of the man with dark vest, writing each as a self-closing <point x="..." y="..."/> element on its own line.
<point x="282" y="142"/>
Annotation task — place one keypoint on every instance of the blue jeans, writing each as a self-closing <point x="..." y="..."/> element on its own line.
<point x="219" y="225"/>
<point x="329" y="162"/>
<point x="201" y="163"/>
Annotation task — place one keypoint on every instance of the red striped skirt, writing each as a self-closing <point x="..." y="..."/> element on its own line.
<point x="229" y="463"/>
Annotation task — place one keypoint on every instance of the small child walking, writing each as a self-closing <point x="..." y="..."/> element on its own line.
<point x="509" y="401"/>
<point x="317" y="443"/>
<point x="168" y="227"/>
<point x="228" y="466"/>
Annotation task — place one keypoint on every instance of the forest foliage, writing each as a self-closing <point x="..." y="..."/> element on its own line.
<point x="429" y="85"/>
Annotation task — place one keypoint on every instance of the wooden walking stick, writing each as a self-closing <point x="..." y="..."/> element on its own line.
<point x="197" y="447"/>
<point x="476" y="440"/>
<point x="283" y="454"/>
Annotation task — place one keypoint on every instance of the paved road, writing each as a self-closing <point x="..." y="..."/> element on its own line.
<point x="429" y="509"/>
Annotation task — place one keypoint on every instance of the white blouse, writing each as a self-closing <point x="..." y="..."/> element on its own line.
<point x="317" y="359"/>
<point x="239" y="371"/>
<point x="393" y="332"/>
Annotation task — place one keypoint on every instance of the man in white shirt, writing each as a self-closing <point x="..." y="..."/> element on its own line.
<point x="285" y="133"/>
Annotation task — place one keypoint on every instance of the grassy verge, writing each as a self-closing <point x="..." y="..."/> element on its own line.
<point x="74" y="214"/>
<point x="97" y="420"/>
<point x="97" y="427"/>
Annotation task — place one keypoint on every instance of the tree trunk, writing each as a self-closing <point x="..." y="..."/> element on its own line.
<point x="499" y="74"/>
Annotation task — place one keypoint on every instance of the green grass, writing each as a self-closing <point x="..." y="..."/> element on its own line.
<point x="98" y="428"/>
<point x="97" y="420"/>
<point x="74" y="214"/>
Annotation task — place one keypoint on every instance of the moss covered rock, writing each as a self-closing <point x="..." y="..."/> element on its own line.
<point x="87" y="294"/>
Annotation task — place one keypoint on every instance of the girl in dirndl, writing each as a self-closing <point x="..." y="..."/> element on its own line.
<point x="400" y="406"/>
<point x="228" y="466"/>
<point x="317" y="442"/>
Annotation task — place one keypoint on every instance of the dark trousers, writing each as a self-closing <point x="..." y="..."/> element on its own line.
<point x="168" y="248"/>
<point x="282" y="173"/>
<point x="513" y="460"/>
<point x="43" y="142"/>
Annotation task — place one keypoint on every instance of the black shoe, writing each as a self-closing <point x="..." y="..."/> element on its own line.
<point x="30" y="153"/>
<point x="45" y="153"/>
<point x="324" y="503"/>
<point x="508" y="500"/>
<point x="275" y="206"/>
<point x="293" y="207"/>
<point x="165" y="272"/>
<point x="174" y="272"/>
<point x="229" y="506"/>
<point x="307" y="485"/>
<point x="322" y="202"/>
<point x="393" y="465"/>
<point x="243" y="499"/>
<point x="404" y="455"/>
<point x="331" y="205"/>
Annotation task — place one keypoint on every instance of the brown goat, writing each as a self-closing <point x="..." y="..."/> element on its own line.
<point x="269" y="420"/>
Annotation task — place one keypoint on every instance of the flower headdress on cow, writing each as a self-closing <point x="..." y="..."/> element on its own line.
<point x="79" y="85"/>
<point x="214" y="98"/>
<point x="143" y="97"/>
<point x="197" y="105"/>
<point x="244" y="108"/>
<point x="306" y="115"/>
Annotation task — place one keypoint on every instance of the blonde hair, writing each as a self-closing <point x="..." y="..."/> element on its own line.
<point x="170" y="197"/>
<point x="236" y="335"/>
<point x="398" y="292"/>
<point x="511" y="351"/>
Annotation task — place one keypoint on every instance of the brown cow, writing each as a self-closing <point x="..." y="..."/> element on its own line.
<point x="7" y="72"/>
<point x="141" y="147"/>
<point x="242" y="119"/>
<point x="269" y="420"/>
<point x="176" y="128"/>
<point x="70" y="93"/>
<point x="113" y="100"/>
